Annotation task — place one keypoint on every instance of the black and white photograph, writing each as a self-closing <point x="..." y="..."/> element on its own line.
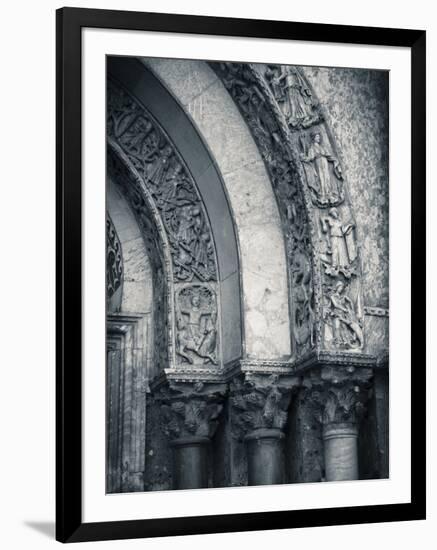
<point x="218" y="281"/>
<point x="247" y="274"/>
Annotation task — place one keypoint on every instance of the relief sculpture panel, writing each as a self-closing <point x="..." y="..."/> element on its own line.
<point x="196" y="325"/>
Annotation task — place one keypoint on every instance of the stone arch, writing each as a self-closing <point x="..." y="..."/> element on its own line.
<point x="288" y="150"/>
<point x="289" y="126"/>
<point x="202" y="96"/>
<point x="136" y="294"/>
<point x="218" y="286"/>
<point x="144" y="226"/>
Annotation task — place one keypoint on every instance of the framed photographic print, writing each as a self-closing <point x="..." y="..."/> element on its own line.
<point x="241" y="269"/>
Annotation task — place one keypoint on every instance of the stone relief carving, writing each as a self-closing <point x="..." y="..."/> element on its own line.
<point x="252" y="94"/>
<point x="114" y="259"/>
<point x="340" y="313"/>
<point x="196" y="323"/>
<point x="155" y="249"/>
<point x="280" y="107"/>
<point x="339" y="395"/>
<point x="169" y="183"/>
<point x="294" y="97"/>
<point x="326" y="187"/>
<point x="189" y="410"/>
<point x="260" y="404"/>
<point x="341" y="245"/>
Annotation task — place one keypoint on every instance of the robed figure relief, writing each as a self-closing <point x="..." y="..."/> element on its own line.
<point x="341" y="315"/>
<point x="326" y="187"/>
<point x="294" y="97"/>
<point x="342" y="249"/>
<point x="196" y="335"/>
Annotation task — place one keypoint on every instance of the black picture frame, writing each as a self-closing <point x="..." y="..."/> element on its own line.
<point x="69" y="525"/>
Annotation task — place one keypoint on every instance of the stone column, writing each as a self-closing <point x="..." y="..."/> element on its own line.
<point x="341" y="394"/>
<point x="190" y="413"/>
<point x="341" y="451"/>
<point x="190" y="462"/>
<point x="259" y="414"/>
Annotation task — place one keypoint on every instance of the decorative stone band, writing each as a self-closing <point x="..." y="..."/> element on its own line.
<point x="376" y="311"/>
<point x="265" y="433"/>
<point x="340" y="430"/>
<point x="289" y="127"/>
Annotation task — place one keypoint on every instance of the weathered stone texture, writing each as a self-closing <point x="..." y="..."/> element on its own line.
<point x="251" y="198"/>
<point x="356" y="107"/>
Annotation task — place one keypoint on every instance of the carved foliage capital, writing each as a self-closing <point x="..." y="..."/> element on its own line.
<point x="190" y="409"/>
<point x="260" y="403"/>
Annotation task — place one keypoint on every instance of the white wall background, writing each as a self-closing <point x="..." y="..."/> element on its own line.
<point x="27" y="218"/>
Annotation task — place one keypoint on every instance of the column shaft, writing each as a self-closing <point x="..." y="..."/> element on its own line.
<point x="265" y="457"/>
<point x="190" y="463"/>
<point x="341" y="451"/>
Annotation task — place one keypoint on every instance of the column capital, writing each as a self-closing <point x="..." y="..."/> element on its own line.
<point x="339" y="394"/>
<point x="190" y="410"/>
<point x="260" y="402"/>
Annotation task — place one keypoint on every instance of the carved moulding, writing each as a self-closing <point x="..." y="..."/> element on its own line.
<point x="156" y="244"/>
<point x="287" y="123"/>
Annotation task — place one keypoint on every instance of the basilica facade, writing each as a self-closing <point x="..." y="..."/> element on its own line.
<point x="247" y="274"/>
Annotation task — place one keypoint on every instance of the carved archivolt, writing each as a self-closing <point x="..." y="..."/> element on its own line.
<point x="289" y="127"/>
<point x="170" y="184"/>
<point x="174" y="219"/>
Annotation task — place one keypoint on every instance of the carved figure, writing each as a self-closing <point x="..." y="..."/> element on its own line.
<point x="316" y="159"/>
<point x="196" y="324"/>
<point x="293" y="96"/>
<point x="341" y="244"/>
<point x="303" y="315"/>
<point x="171" y="186"/>
<point x="157" y="170"/>
<point x="346" y="326"/>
